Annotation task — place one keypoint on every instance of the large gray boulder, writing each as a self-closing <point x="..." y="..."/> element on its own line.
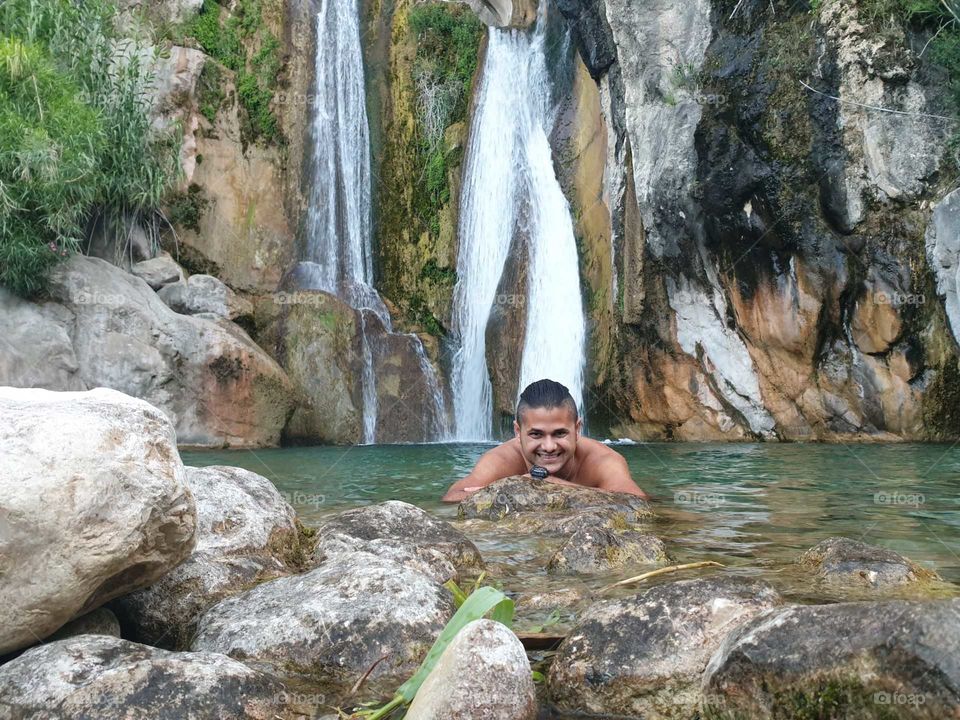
<point x="642" y="656"/>
<point x="860" y="660"/>
<point x="404" y="533"/>
<point x="107" y="328"/>
<point x="36" y="348"/>
<point x="841" y="561"/>
<point x="95" y="677"/>
<point x="246" y="533"/>
<point x="93" y="505"/>
<point x="483" y="674"/>
<point x="333" y="623"/>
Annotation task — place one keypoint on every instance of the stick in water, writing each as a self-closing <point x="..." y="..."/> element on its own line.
<point x="661" y="571"/>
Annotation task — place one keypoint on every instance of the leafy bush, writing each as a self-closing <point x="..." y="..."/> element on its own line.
<point x="76" y="143"/>
<point x="49" y="144"/>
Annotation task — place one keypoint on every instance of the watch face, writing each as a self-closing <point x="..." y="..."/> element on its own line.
<point x="539" y="472"/>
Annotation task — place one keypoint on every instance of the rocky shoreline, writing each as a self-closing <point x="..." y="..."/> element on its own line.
<point x="137" y="587"/>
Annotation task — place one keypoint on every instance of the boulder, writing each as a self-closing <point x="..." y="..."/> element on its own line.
<point x="93" y="505"/>
<point x="483" y="674"/>
<point x="159" y="271"/>
<point x="601" y="550"/>
<point x="861" y="660"/>
<point x="403" y="533"/>
<point x="204" y="294"/>
<point x="209" y="378"/>
<point x="842" y="561"/>
<point x="333" y="623"/>
<point x="99" y="622"/>
<point x="246" y="533"/>
<point x="642" y="656"/>
<point x="36" y="349"/>
<point x="520" y="494"/>
<point x="95" y="677"/>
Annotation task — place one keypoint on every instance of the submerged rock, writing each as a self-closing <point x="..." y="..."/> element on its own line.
<point x="839" y="560"/>
<point x="333" y="623"/>
<point x="404" y="533"/>
<point x="246" y="533"/>
<point x="599" y="550"/>
<point x="519" y="494"/>
<point x="482" y="675"/>
<point x="860" y="660"/>
<point x="642" y="657"/>
<point x="94" y="677"/>
<point x="94" y="505"/>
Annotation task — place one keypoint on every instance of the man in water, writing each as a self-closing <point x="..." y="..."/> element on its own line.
<point x="547" y="443"/>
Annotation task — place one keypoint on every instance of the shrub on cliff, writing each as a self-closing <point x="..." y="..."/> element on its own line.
<point x="76" y="143"/>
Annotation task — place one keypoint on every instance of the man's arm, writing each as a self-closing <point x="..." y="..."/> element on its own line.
<point x="612" y="474"/>
<point x="500" y="462"/>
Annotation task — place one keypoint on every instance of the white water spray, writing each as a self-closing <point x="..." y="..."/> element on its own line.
<point x="510" y="180"/>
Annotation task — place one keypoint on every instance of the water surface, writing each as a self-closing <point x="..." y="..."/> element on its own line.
<point x="752" y="507"/>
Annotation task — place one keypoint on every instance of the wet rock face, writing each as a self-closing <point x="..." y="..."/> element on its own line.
<point x="519" y="495"/>
<point x="592" y="34"/>
<point x="601" y="550"/>
<point x="943" y="254"/>
<point x="483" y="674"/>
<point x="246" y="533"/>
<point x="101" y="511"/>
<point x="403" y="533"/>
<point x="862" y="660"/>
<point x="842" y="561"/>
<point x="642" y="657"/>
<point x="94" y="677"/>
<point x="333" y="623"/>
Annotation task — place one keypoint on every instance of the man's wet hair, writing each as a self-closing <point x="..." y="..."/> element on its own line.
<point x="547" y="394"/>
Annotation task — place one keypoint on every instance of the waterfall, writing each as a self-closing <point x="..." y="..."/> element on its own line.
<point x="510" y="186"/>
<point x="338" y="256"/>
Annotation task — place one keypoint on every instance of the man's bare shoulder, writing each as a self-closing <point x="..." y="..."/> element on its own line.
<point x="595" y="450"/>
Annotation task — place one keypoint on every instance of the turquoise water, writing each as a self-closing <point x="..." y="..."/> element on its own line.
<point x="752" y="507"/>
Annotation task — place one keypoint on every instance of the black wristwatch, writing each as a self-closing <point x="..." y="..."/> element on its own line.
<point x="540" y="473"/>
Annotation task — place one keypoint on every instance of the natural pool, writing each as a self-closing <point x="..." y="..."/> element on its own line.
<point x="753" y="507"/>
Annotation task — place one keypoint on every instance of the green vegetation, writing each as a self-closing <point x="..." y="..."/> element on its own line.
<point x="230" y="39"/>
<point x="186" y="208"/>
<point x="448" y="42"/>
<point x="477" y="605"/>
<point x="76" y="145"/>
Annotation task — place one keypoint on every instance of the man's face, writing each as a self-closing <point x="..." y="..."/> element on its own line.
<point x="548" y="436"/>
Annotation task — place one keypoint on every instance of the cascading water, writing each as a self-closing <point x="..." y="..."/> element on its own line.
<point x="510" y="185"/>
<point x="338" y="252"/>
